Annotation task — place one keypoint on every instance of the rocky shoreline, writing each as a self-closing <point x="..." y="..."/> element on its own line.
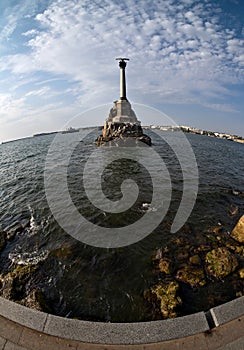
<point x="221" y="256"/>
<point x="188" y="264"/>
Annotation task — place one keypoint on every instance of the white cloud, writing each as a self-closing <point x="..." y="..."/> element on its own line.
<point x="39" y="92"/>
<point x="8" y="29"/>
<point x="11" y="106"/>
<point x="31" y="32"/>
<point x="85" y="39"/>
<point x="221" y="107"/>
<point x="12" y="15"/>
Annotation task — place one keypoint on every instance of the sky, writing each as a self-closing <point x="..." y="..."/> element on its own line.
<point x="57" y="60"/>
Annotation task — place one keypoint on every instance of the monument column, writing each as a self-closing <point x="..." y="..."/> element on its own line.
<point x="122" y="65"/>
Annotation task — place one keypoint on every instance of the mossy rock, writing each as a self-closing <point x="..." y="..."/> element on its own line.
<point x="13" y="283"/>
<point x="238" y="231"/>
<point x="238" y="249"/>
<point x="37" y="300"/>
<point x="241" y="273"/>
<point x="216" y="229"/>
<point x="220" y="262"/>
<point x="165" y="294"/>
<point x="165" y="266"/>
<point x="195" y="260"/>
<point x="23" y="272"/>
<point x="66" y="251"/>
<point x="191" y="275"/>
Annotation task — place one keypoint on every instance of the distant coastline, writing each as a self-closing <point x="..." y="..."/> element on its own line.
<point x="186" y="129"/>
<point x="189" y="129"/>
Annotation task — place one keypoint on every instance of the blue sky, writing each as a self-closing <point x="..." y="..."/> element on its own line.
<point x="57" y="59"/>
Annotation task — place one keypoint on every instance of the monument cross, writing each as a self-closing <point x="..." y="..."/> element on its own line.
<point x="122" y="65"/>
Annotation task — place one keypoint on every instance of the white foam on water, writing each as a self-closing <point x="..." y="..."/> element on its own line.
<point x="27" y="258"/>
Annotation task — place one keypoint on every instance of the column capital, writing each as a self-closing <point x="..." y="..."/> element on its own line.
<point x="122" y="62"/>
<point x="122" y="65"/>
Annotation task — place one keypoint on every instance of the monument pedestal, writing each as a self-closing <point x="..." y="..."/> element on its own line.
<point x="122" y="123"/>
<point x="113" y="132"/>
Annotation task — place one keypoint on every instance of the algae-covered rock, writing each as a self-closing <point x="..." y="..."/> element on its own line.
<point x="13" y="283"/>
<point x="191" y="275"/>
<point x="235" y="248"/>
<point x="238" y="231"/>
<point x="2" y="240"/>
<point x="165" y="266"/>
<point x="220" y="262"/>
<point x="165" y="294"/>
<point x="216" y="229"/>
<point x="241" y="273"/>
<point x="202" y="248"/>
<point x="63" y="252"/>
<point x="37" y="300"/>
<point x="195" y="259"/>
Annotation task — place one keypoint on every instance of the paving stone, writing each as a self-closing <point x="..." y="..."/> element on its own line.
<point x="10" y="330"/>
<point x="236" y="345"/>
<point x="11" y="346"/>
<point x="191" y="343"/>
<point x="39" y="341"/>
<point x="195" y="342"/>
<point x="86" y="346"/>
<point x="225" y="334"/>
<point x="2" y="343"/>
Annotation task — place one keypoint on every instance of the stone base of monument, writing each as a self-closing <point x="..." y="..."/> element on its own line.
<point x="113" y="132"/>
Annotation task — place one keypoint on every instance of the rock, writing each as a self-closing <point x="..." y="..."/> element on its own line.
<point x="2" y="240"/>
<point x="158" y="254"/>
<point x="236" y="248"/>
<point x="13" y="284"/>
<point x="195" y="260"/>
<point x="180" y="241"/>
<point x="191" y="275"/>
<point x="182" y="254"/>
<point x="145" y="139"/>
<point x="165" y="266"/>
<point x="36" y="299"/>
<point x="64" y="252"/>
<point x="233" y="210"/>
<point x="220" y="262"/>
<point x="10" y="235"/>
<point x="165" y="294"/>
<point x="241" y="273"/>
<point x="115" y="131"/>
<point x="238" y="231"/>
<point x="216" y="229"/>
<point x="202" y="248"/>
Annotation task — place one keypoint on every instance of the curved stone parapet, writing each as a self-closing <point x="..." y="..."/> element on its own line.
<point x="122" y="333"/>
